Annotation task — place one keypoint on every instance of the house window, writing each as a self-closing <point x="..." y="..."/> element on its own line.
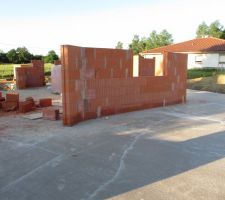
<point x="222" y="59"/>
<point x="198" y="59"/>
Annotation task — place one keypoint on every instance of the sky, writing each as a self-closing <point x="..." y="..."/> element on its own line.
<point x="44" y="25"/>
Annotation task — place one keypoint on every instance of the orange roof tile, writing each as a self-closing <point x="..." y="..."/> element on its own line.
<point x="209" y="44"/>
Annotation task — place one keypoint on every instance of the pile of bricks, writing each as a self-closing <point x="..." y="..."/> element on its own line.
<point x="12" y="103"/>
<point x="27" y="105"/>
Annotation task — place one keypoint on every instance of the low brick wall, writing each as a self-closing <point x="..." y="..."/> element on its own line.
<point x="30" y="76"/>
<point x="99" y="82"/>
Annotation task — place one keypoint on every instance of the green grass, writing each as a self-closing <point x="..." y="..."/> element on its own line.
<point x="48" y="67"/>
<point x="204" y="72"/>
<point x="6" y="70"/>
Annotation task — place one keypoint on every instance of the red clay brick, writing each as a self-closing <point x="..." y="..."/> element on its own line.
<point x="51" y="113"/>
<point x="9" y="106"/>
<point x="12" y="97"/>
<point x="45" y="102"/>
<point x="2" y="99"/>
<point x="57" y="62"/>
<point x="37" y="63"/>
<point x="30" y="99"/>
<point x="26" y="106"/>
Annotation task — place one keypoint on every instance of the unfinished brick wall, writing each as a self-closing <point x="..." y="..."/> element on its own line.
<point x="37" y="63"/>
<point x="30" y="76"/>
<point x="146" y="67"/>
<point x="99" y="82"/>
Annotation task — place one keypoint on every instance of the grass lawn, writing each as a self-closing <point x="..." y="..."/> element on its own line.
<point x="204" y="72"/>
<point x="6" y="70"/>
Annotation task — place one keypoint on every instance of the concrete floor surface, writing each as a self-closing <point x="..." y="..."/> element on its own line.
<point x="175" y="152"/>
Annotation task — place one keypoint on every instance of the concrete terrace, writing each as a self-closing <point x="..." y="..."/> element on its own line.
<point x="176" y="152"/>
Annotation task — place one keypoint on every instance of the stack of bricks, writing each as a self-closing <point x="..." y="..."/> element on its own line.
<point x="27" y="105"/>
<point x="30" y="76"/>
<point x="11" y="103"/>
<point x="98" y="82"/>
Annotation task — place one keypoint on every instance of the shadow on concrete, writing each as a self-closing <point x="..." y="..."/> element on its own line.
<point x="152" y="160"/>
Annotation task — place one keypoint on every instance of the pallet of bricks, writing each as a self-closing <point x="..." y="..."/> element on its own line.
<point x="11" y="102"/>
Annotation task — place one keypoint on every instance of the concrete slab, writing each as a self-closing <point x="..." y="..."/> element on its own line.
<point x="176" y="152"/>
<point x="33" y="116"/>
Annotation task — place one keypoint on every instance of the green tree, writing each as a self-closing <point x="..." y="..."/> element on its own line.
<point x="158" y="39"/>
<point x="12" y="56"/>
<point x="202" y="30"/>
<point x="19" y="55"/>
<point x="135" y="44"/>
<point x="24" y="56"/>
<point x="215" y="29"/>
<point x="119" y="45"/>
<point x="3" y="57"/>
<point x="51" y="57"/>
<point x="153" y="41"/>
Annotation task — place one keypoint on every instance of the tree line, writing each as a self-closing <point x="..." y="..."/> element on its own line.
<point x="164" y="38"/>
<point x="21" y="55"/>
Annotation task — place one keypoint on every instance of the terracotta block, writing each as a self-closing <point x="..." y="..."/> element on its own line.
<point x="45" y="102"/>
<point x="90" y="115"/>
<point x="37" y="63"/>
<point x="57" y="62"/>
<point x="26" y="106"/>
<point x="51" y="113"/>
<point x="2" y="99"/>
<point x="31" y="100"/>
<point x="108" y="111"/>
<point x="9" y="106"/>
<point x="12" y="97"/>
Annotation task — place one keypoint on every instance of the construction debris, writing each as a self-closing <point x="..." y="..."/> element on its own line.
<point x="12" y="102"/>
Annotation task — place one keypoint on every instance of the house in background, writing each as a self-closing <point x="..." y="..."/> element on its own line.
<point x="202" y="52"/>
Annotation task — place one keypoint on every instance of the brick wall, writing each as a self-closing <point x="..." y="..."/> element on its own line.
<point x="30" y="76"/>
<point x="146" y="67"/>
<point x="37" y="63"/>
<point x="98" y="82"/>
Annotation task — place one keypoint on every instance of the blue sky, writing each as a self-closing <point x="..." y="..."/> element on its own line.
<point x="46" y="24"/>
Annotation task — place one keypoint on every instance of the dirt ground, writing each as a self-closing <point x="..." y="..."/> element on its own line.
<point x="211" y="84"/>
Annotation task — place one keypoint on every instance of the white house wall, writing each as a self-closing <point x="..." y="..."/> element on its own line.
<point x="208" y="60"/>
<point x="135" y="66"/>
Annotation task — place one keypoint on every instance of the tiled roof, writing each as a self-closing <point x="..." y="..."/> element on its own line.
<point x="209" y="44"/>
